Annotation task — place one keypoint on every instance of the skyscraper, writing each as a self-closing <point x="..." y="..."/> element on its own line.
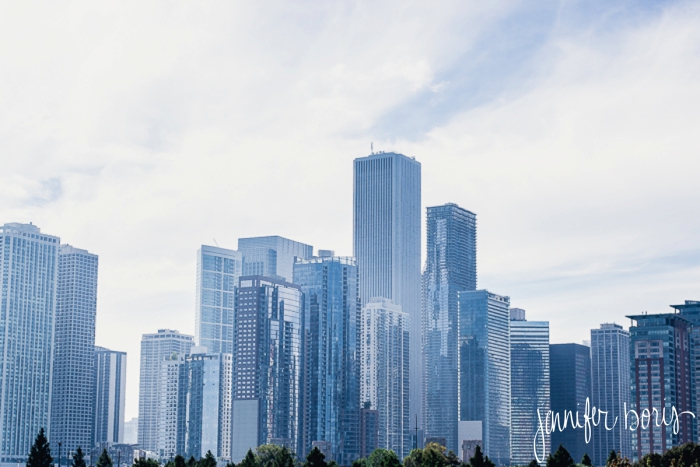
<point x="74" y="363"/>
<point x="331" y="316"/>
<point x="218" y="270"/>
<point x="450" y="267"/>
<point x="385" y="371"/>
<point x="267" y="364"/>
<point x="272" y="256"/>
<point x="155" y="348"/>
<point x="610" y="359"/>
<point x="386" y="243"/>
<point x="28" y="273"/>
<point x="569" y="386"/>
<point x="484" y="369"/>
<point x="529" y="375"/>
<point x="660" y="353"/>
<point x="109" y="396"/>
<point x="171" y="417"/>
<point x="690" y="310"/>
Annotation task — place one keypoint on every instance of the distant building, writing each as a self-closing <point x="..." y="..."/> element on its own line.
<point x="369" y="430"/>
<point x="267" y="364"/>
<point x="272" y="256"/>
<point x="385" y="371"/>
<point x="469" y="448"/>
<point x="171" y="419"/>
<point x="529" y="375"/>
<point x="450" y="267"/>
<point x="484" y="371"/>
<point x="218" y="270"/>
<point x="109" y="396"/>
<point x="660" y="352"/>
<point x="331" y="326"/>
<point x="570" y="386"/>
<point x="155" y="348"/>
<point x="387" y="243"/>
<point x="610" y="360"/>
<point x="28" y="277"/>
<point x="326" y="449"/>
<point x="131" y="431"/>
<point x="690" y="310"/>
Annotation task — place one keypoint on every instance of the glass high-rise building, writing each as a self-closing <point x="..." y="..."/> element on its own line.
<point x="484" y="369"/>
<point x="569" y="387"/>
<point x="109" y="396"/>
<point x="218" y="270"/>
<point x="155" y="349"/>
<point x="690" y="310"/>
<point x="74" y="363"/>
<point x="267" y="382"/>
<point x="384" y="372"/>
<point x="529" y="376"/>
<point x="272" y="256"/>
<point x="450" y="267"/>
<point x="387" y="242"/>
<point x="661" y="378"/>
<point x="331" y="315"/>
<point x="28" y="277"/>
<point x="610" y="384"/>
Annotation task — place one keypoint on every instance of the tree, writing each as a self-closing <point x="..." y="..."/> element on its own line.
<point x="144" y="462"/>
<point x="104" y="460"/>
<point x="249" y="460"/>
<point x="79" y="458"/>
<point x="586" y="461"/>
<point x="612" y="458"/>
<point x="533" y="463"/>
<point x="179" y="461"/>
<point x="267" y="454"/>
<point x="315" y="458"/>
<point x="284" y="458"/>
<point x="40" y="452"/>
<point x="208" y="461"/>
<point x="478" y="459"/>
<point x="333" y="463"/>
<point x="191" y="462"/>
<point x="561" y="458"/>
<point x="361" y="462"/>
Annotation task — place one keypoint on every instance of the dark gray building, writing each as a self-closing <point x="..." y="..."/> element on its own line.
<point x="570" y="386"/>
<point x="690" y="310"/>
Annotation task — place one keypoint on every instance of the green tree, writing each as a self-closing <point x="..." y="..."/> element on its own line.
<point x="361" y="462"/>
<point x="561" y="458"/>
<point x="144" y="462"/>
<point x="79" y="458"/>
<point x="284" y="458"/>
<point x="315" y="458"/>
<point x="612" y="458"/>
<point x="208" y="461"/>
<point x="249" y="460"/>
<point x="333" y="463"/>
<point x="179" y="461"/>
<point x="533" y="463"/>
<point x="104" y="460"/>
<point x="586" y="460"/>
<point x="383" y="458"/>
<point x="191" y="462"/>
<point x="40" y="452"/>
<point x="479" y="460"/>
<point x="267" y="454"/>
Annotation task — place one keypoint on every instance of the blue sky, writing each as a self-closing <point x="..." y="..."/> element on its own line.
<point x="140" y="131"/>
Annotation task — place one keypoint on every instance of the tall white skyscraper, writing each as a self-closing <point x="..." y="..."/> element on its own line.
<point x="272" y="256"/>
<point x="109" y="396"/>
<point x="384" y="371"/>
<point x="218" y="270"/>
<point x="28" y="278"/>
<point x="386" y="230"/>
<point x="73" y="368"/>
<point x="155" y="348"/>
<point x="610" y="384"/>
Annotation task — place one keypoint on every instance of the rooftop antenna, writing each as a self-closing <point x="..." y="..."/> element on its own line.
<point x="217" y="245"/>
<point x="371" y="147"/>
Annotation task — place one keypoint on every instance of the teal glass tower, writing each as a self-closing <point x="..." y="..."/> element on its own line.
<point x="450" y="267"/>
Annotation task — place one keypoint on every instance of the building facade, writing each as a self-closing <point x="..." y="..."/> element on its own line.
<point x="570" y="386"/>
<point x="73" y="366"/>
<point x="171" y="422"/>
<point x="155" y="348"/>
<point x="29" y="276"/>
<point x="450" y="267"/>
<point x="331" y="383"/>
<point x="484" y="369"/>
<point x="610" y="385"/>
<point x="267" y="375"/>
<point x="529" y="375"/>
<point x="272" y="256"/>
<point x="218" y="270"/>
<point x="661" y="378"/>
<point x="690" y="310"/>
<point x="109" y="396"/>
<point x="369" y="430"/>
<point x="385" y="335"/>
<point x="387" y="242"/>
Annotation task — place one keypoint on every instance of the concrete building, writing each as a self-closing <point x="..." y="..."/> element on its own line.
<point x="109" y="396"/>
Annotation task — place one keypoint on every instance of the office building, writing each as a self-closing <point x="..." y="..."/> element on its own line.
<point x="690" y="310"/>
<point x="569" y="387"/>
<point x="484" y="370"/>
<point x="450" y="267"/>
<point x="171" y="422"/>
<point x="661" y="378"/>
<point x="387" y="242"/>
<point x="267" y="364"/>
<point x="74" y="349"/>
<point x="272" y="256"/>
<point x="109" y="396"/>
<point x="28" y="273"/>
<point x="218" y="270"/>
<point x="331" y="323"/>
<point x="155" y="348"/>
<point x="384" y="371"/>
<point x="131" y="431"/>
<point x="529" y="375"/>
<point x="610" y="385"/>
<point x="369" y="430"/>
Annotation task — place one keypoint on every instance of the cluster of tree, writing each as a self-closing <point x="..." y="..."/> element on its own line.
<point x="433" y="455"/>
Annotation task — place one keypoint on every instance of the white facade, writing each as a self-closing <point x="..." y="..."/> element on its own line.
<point x="169" y="407"/>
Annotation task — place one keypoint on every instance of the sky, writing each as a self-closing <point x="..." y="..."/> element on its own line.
<point x="142" y="130"/>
